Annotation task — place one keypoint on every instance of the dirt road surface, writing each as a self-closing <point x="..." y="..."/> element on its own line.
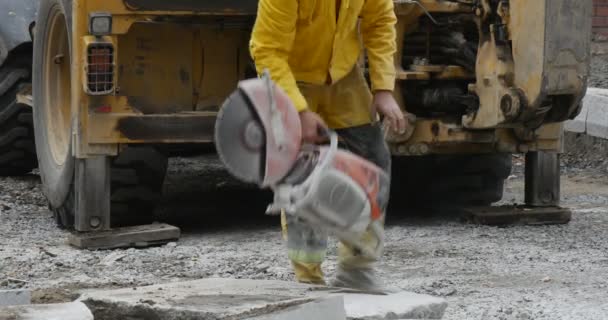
<point x="548" y="272"/>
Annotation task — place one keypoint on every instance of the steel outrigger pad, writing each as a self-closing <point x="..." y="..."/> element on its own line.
<point x="126" y="237"/>
<point x="516" y="215"/>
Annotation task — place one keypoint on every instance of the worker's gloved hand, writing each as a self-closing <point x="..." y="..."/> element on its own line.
<point x="385" y="104"/>
<point x="313" y="127"/>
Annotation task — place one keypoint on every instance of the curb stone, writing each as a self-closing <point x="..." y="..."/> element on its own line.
<point x="593" y="119"/>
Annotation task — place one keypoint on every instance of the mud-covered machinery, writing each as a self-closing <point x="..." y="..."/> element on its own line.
<point x="514" y="67"/>
<point x="117" y="81"/>
<point x="495" y="76"/>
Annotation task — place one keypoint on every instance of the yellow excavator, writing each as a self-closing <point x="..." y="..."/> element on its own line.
<point x="114" y="82"/>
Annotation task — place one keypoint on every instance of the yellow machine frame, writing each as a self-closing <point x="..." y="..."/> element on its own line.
<point x="173" y="73"/>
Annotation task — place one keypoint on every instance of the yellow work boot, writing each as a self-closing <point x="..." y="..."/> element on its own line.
<point x="310" y="273"/>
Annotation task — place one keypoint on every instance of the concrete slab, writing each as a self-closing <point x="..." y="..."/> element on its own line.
<point x="200" y="299"/>
<point x="331" y="308"/>
<point x="15" y="297"/>
<point x="60" y="311"/>
<point x="402" y="305"/>
<point x="250" y="299"/>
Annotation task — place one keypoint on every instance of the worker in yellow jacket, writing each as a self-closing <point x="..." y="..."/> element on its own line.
<point x="311" y="48"/>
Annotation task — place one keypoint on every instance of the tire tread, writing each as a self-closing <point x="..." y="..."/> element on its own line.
<point x="452" y="180"/>
<point x="17" y="148"/>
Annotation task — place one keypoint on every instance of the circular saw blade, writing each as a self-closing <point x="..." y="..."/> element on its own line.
<point x="240" y="139"/>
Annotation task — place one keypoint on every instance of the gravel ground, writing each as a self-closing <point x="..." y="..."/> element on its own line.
<point x="599" y="71"/>
<point x="551" y="272"/>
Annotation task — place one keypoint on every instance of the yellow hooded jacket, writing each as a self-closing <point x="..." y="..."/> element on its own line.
<point x="303" y="41"/>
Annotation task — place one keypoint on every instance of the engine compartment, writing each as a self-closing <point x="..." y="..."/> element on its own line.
<point x="447" y="46"/>
<point x="493" y="63"/>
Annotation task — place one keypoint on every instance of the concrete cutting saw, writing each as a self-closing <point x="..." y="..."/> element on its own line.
<point x="258" y="136"/>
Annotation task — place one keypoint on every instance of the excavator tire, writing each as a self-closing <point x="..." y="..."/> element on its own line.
<point x="17" y="148"/>
<point x="137" y="177"/>
<point x="450" y="180"/>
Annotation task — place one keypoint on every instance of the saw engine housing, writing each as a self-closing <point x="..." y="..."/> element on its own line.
<point x="338" y="191"/>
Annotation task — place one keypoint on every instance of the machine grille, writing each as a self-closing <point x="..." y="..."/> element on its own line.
<point x="100" y="68"/>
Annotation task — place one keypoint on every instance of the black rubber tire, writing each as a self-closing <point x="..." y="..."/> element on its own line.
<point x="17" y="148"/>
<point x="64" y="214"/>
<point x="138" y="174"/>
<point x="454" y="180"/>
<point x="187" y="150"/>
<point x="137" y="177"/>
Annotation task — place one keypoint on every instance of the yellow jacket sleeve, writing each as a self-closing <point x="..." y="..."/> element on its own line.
<point x="379" y="38"/>
<point x="271" y="42"/>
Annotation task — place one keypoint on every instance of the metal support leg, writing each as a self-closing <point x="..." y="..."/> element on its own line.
<point x="542" y="179"/>
<point x="92" y="207"/>
<point x="92" y="187"/>
<point x="542" y="197"/>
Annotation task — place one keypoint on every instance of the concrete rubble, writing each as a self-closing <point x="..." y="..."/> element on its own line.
<point x="59" y="311"/>
<point x="256" y="299"/>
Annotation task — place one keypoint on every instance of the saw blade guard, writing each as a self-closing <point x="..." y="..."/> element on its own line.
<point x="258" y="132"/>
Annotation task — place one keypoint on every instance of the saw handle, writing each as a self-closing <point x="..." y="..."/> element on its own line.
<point x="331" y="153"/>
<point x="324" y="132"/>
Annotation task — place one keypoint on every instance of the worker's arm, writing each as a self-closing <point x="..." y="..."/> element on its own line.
<point x="271" y="42"/>
<point x="379" y="38"/>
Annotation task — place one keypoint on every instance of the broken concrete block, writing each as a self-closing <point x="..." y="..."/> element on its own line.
<point x="402" y="305"/>
<point x="60" y="311"/>
<point x="331" y="308"/>
<point x="199" y="299"/>
<point x="250" y="299"/>
<point x="15" y="297"/>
